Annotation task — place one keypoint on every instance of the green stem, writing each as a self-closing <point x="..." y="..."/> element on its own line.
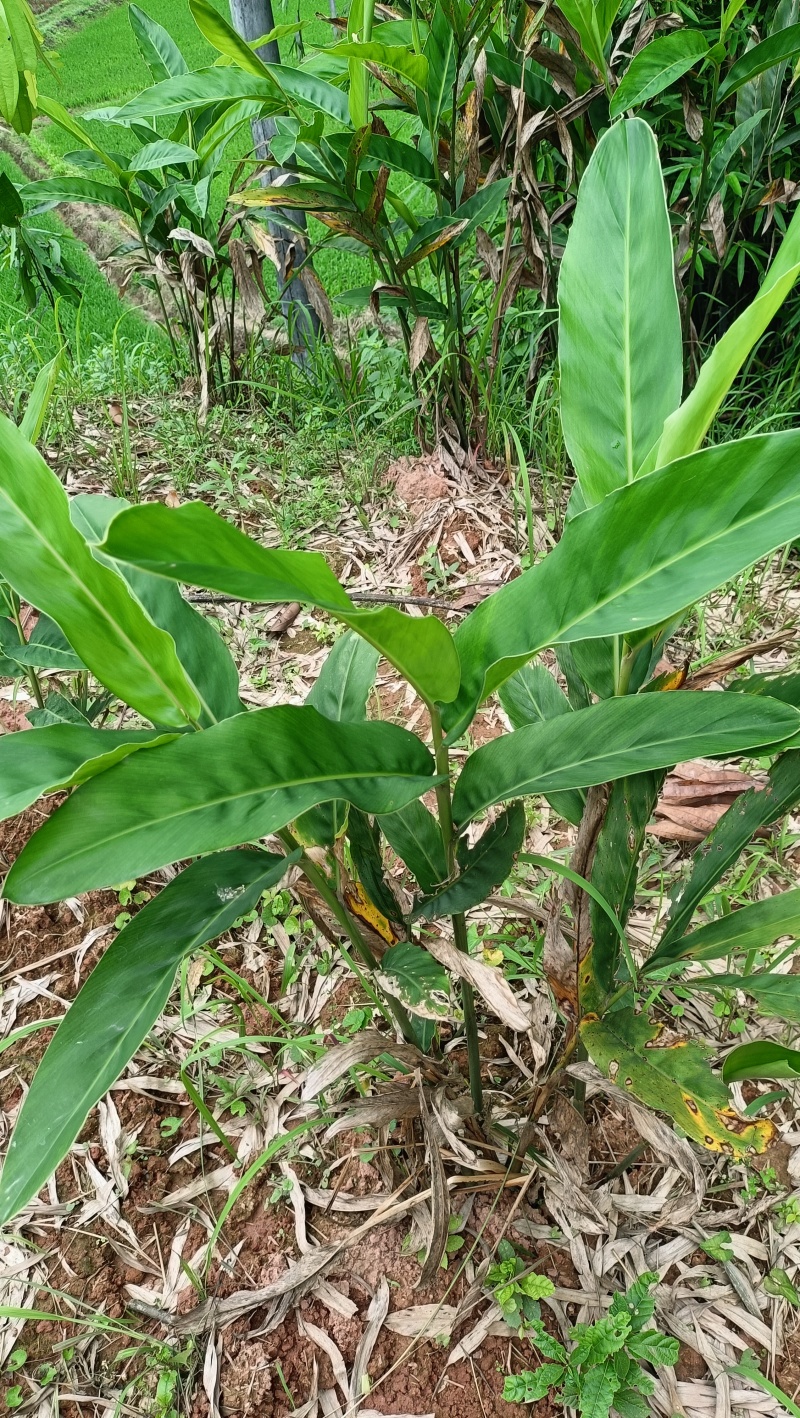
<point x="625" y="667"/>
<point x="33" y="678"/>
<point x="444" y="804"/>
<point x="323" y="886"/>
<point x="708" y="139"/>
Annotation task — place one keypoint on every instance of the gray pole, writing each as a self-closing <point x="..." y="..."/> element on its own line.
<point x="253" y="18"/>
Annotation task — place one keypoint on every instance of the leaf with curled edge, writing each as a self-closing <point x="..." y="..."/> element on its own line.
<point x="672" y="1078"/>
<point x="483" y="867"/>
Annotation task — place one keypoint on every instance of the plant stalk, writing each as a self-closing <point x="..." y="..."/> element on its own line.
<point x="708" y="139"/>
<point x="322" y="885"/>
<point x="445" y="807"/>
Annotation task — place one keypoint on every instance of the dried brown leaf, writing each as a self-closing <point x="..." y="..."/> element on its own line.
<point x="376" y="1314"/>
<point x="489" y="982"/>
<point x="338" y="1061"/>
<point x="329" y="1347"/>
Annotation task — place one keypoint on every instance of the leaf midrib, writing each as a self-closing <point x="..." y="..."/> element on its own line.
<point x="667" y="565"/>
<point x="523" y="788"/>
<point x="211" y="803"/>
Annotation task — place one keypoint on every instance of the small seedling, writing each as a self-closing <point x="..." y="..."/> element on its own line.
<point x="718" y="1247"/>
<point x="778" y="1284"/>
<point x="603" y="1371"/>
<point x="516" y="1290"/>
<point x="787" y="1213"/>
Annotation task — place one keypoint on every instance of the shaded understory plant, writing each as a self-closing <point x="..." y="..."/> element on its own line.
<point x="657" y="521"/>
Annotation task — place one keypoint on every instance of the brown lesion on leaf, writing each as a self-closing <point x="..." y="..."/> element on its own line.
<point x="691" y="1105"/>
<point x="653" y="1042"/>
<point x="759" y="1134"/>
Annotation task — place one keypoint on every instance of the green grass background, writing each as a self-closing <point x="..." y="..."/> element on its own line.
<point x="31" y="338"/>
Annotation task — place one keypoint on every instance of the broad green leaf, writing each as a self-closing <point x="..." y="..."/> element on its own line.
<point x="776" y="1282"/>
<point x="654" y="1348"/>
<point x="685" y="429"/>
<point x="779" y="47"/>
<point x="673" y="1078"/>
<point x="59" y="710"/>
<point x="750" y="928"/>
<point x="119" y="1004"/>
<point x="538" y="88"/>
<point x="216" y="138"/>
<point x="598" y="1389"/>
<point x="12" y="207"/>
<point x="194" y="545"/>
<point x="40" y="398"/>
<point x="340" y="692"/>
<point x="205" y="657"/>
<point x="161" y="154"/>
<point x="616" y="865"/>
<point x="778" y="996"/>
<point x="414" y="834"/>
<point x="440" y="52"/>
<point x="755" y="808"/>
<point x="482" y="868"/>
<point x="654" y="68"/>
<point x="49" y="191"/>
<point x="761" y="1060"/>
<point x="528" y="697"/>
<point x="365" y="845"/>
<point x="397" y="58"/>
<point x="630" y="1404"/>
<point x="736" y="140"/>
<point x="48" y="760"/>
<point x="57" y="113"/>
<point x="596" y="663"/>
<point x="402" y="157"/>
<point x="613" y="739"/>
<point x="215" y="28"/>
<point x="9" y="74"/>
<point x="616" y="571"/>
<point x="657" y="66"/>
<point x="47" y="648"/>
<point x="416" y="979"/>
<point x="241" y="780"/>
<point x="205" y="87"/>
<point x="345" y="681"/>
<point x="303" y="87"/>
<point x="157" y="48"/>
<point x="532" y="1385"/>
<point x="24" y="34"/>
<point x="533" y="695"/>
<point x="49" y="565"/>
<point x="762" y="96"/>
<point x="619" y="341"/>
<point x="592" y="19"/>
<point x="783" y="687"/>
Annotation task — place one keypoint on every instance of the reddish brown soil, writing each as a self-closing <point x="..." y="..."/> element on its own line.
<point x="83" y="1262"/>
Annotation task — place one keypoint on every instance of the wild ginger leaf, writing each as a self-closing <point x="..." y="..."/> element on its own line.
<point x="674" y="1078"/>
